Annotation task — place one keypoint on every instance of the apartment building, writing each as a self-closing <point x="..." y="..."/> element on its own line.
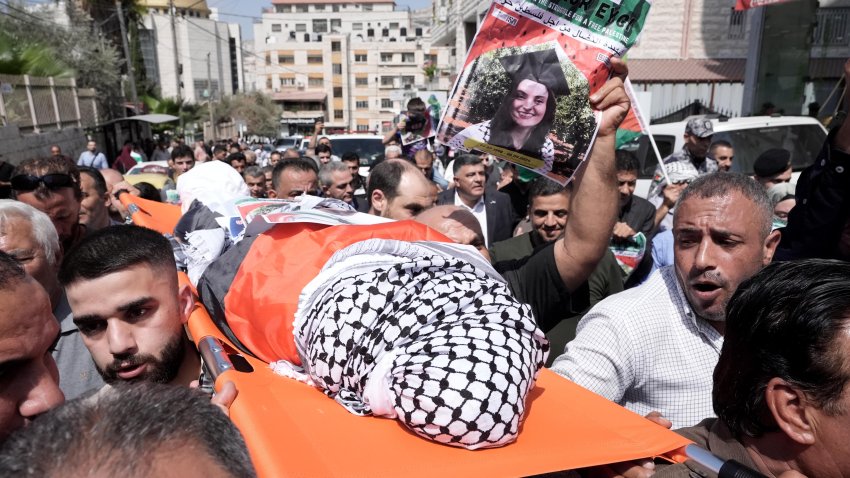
<point x="351" y="64"/>
<point x="697" y="50"/>
<point x="209" y="54"/>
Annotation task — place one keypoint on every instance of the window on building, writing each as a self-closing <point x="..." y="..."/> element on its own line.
<point x="283" y="8"/>
<point x="832" y="27"/>
<point x="386" y="57"/>
<point x="287" y="82"/>
<point x="300" y="8"/>
<point x="737" y="24"/>
<point x="286" y="59"/>
<point x="364" y="81"/>
<point x="314" y="82"/>
<point x="367" y="8"/>
<point x="360" y="58"/>
<point x="370" y="32"/>
<point x="276" y="27"/>
<point x="335" y="7"/>
<point x="408" y="57"/>
<point x="337" y="68"/>
<point x="320" y="26"/>
<point x="394" y="25"/>
<point x="408" y="80"/>
<point x="387" y="81"/>
<point x="357" y="26"/>
<point x="385" y="32"/>
<point x="319" y="7"/>
<point x="336" y="46"/>
<point x="269" y="84"/>
<point x="402" y="31"/>
<point x="386" y="103"/>
<point x="314" y="59"/>
<point x="338" y="114"/>
<point x="363" y="127"/>
<point x="336" y="23"/>
<point x="300" y="27"/>
<point x="418" y="32"/>
<point x="432" y="58"/>
<point x="337" y="92"/>
<point x="362" y="104"/>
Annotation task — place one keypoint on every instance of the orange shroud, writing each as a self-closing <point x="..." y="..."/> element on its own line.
<point x="295" y="430"/>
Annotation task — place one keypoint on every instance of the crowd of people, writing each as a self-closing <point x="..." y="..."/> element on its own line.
<point x="716" y="306"/>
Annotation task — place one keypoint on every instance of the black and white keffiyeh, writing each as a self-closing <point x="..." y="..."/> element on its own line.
<point x="424" y="332"/>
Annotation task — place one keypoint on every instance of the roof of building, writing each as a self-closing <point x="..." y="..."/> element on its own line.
<point x="820" y="68"/>
<point x="300" y="96"/>
<point x="200" y="5"/>
<point x="326" y="2"/>
<point x="687" y="71"/>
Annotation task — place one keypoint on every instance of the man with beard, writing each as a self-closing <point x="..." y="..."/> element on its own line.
<point x="654" y="347"/>
<point x="122" y="286"/>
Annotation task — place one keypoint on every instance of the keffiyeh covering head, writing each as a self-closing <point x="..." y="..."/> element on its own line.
<point x="424" y="332"/>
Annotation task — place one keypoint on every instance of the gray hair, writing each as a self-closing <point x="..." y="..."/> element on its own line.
<point x="120" y="430"/>
<point x="721" y="184"/>
<point x="43" y="230"/>
<point x="253" y="172"/>
<point x="326" y="173"/>
<point x="394" y="148"/>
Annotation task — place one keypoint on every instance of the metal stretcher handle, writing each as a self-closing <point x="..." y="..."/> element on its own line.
<point x="724" y="469"/>
<point x="216" y="360"/>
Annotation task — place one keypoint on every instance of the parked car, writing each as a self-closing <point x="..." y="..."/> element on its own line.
<point x="369" y="147"/>
<point x="750" y="136"/>
<point x="282" y="144"/>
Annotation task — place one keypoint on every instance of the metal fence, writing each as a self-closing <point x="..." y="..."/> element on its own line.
<point x="36" y="104"/>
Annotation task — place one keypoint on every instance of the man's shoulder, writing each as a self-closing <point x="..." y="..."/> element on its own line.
<point x="446" y="197"/>
<point x="515" y="248"/>
<point x="494" y="195"/>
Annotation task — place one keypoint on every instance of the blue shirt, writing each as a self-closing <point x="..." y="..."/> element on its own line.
<point x="92" y="160"/>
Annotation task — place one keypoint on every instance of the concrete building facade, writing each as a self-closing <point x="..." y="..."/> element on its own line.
<point x="209" y="56"/>
<point x="351" y="64"/>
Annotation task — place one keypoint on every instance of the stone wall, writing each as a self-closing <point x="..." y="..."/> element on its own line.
<point x="15" y="147"/>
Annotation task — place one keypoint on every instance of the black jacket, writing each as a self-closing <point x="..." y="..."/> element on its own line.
<point x="501" y="219"/>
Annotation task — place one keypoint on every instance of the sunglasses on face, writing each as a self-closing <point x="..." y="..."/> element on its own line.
<point x="28" y="182"/>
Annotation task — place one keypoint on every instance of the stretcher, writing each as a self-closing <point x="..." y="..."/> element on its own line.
<point x="292" y="429"/>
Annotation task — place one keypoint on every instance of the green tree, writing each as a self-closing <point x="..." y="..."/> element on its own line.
<point x="257" y="110"/>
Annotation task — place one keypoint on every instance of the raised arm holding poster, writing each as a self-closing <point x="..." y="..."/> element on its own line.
<point x="523" y="93"/>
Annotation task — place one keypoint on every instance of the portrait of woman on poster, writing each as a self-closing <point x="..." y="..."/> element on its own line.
<point x="524" y="119"/>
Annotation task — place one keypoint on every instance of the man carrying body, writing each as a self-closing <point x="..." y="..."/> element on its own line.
<point x="654" y="347"/>
<point x="236" y="161"/>
<point x="292" y="178"/>
<point x="722" y="152"/>
<point x="492" y="208"/>
<point x="27" y="333"/>
<point x="121" y="283"/>
<point x="182" y="160"/>
<point x="52" y="186"/>
<point x="92" y="158"/>
<point x="335" y="180"/>
<point x="397" y="190"/>
<point x="780" y="386"/>
<point x="28" y="235"/>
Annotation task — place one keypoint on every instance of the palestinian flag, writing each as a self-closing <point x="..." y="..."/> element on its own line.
<point x="635" y="124"/>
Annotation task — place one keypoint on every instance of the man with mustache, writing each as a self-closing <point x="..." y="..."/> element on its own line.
<point x="654" y="348"/>
<point x="121" y="283"/>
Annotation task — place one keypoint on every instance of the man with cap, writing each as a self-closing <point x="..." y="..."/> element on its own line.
<point x="773" y="167"/>
<point x="524" y="119"/>
<point x="689" y="162"/>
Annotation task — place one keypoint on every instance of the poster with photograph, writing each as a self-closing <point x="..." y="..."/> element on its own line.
<point x="523" y="94"/>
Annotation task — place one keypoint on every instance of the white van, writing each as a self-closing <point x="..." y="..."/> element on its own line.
<point x="750" y="136"/>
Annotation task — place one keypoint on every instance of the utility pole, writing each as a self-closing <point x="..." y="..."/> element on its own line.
<point x="174" y="45"/>
<point x="210" y="98"/>
<point x="130" y="70"/>
<point x="177" y="72"/>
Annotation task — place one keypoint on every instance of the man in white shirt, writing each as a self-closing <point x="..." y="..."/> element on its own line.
<point x="492" y="208"/>
<point x="654" y="348"/>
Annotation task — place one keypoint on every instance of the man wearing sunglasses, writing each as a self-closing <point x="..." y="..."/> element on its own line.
<point x="52" y="185"/>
